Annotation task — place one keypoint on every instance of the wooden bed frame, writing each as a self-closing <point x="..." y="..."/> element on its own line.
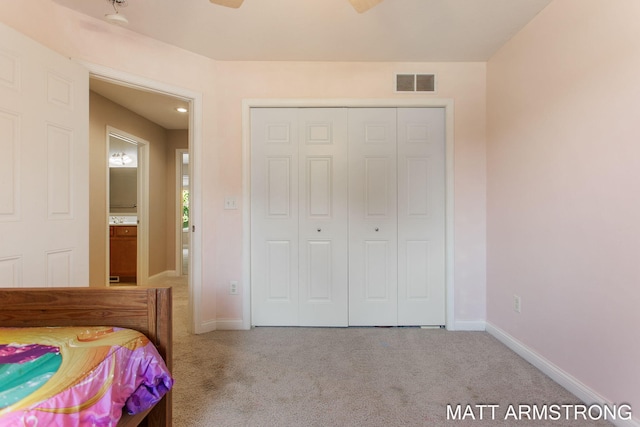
<point x="148" y="310"/>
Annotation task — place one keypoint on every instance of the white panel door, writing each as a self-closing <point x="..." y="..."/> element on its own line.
<point x="421" y="216"/>
<point x="323" y="217"/>
<point x="299" y="217"/>
<point x="373" y="231"/>
<point x="44" y="210"/>
<point x="274" y="217"/>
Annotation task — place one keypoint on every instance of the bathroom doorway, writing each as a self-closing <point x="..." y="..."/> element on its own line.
<point x="128" y="190"/>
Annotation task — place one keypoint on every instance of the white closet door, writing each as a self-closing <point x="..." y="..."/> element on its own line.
<point x="348" y="216"/>
<point x="299" y="217"/>
<point x="323" y="253"/>
<point x="421" y="216"/>
<point x="44" y="186"/>
<point x="274" y="217"/>
<point x="372" y="217"/>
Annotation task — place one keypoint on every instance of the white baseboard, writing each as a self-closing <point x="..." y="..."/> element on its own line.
<point x="469" y="325"/>
<point x="566" y="380"/>
<point x="220" y="325"/>
<point x="238" y="325"/>
<point x="204" y="327"/>
<point x="230" y="325"/>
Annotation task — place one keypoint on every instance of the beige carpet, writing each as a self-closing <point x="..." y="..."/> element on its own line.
<point x="352" y="377"/>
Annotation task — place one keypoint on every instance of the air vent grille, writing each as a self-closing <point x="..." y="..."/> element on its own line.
<point x="415" y="83"/>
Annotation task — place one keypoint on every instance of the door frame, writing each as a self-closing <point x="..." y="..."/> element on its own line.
<point x="179" y="153"/>
<point x="142" y="251"/>
<point x="446" y="103"/>
<point x="195" y="322"/>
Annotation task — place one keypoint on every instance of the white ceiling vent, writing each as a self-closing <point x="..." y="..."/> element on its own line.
<point x="416" y="83"/>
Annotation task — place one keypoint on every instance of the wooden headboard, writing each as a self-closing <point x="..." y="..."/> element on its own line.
<point x="148" y="310"/>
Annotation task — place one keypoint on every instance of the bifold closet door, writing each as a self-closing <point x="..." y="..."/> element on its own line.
<point x="373" y="232"/>
<point x="396" y="216"/>
<point x="274" y="216"/>
<point x="421" y="216"/>
<point x="323" y="256"/>
<point x="299" y="217"/>
<point x="347" y="216"/>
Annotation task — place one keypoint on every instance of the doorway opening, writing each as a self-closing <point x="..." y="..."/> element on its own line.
<point x="122" y="84"/>
<point x="127" y="208"/>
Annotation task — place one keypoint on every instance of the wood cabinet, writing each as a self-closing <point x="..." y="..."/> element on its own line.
<point x="123" y="250"/>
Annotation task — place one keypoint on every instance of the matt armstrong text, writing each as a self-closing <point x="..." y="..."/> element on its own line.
<point x="545" y="412"/>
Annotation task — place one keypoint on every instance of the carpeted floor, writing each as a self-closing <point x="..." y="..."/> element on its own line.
<point x="370" y="377"/>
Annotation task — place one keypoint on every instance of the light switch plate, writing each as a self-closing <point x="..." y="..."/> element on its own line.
<point x="230" y="203"/>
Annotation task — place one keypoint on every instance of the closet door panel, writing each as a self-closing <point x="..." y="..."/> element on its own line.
<point x="421" y="216"/>
<point x="372" y="217"/>
<point x="377" y="192"/>
<point x="274" y="217"/>
<point x="323" y="216"/>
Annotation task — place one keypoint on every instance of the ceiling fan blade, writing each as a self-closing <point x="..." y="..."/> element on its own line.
<point x="228" y="3"/>
<point x="363" y="5"/>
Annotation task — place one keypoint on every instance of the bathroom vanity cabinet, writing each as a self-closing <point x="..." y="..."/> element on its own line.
<point x="123" y="253"/>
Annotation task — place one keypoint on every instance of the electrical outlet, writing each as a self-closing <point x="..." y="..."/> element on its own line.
<point x="517" y="304"/>
<point x="233" y="287"/>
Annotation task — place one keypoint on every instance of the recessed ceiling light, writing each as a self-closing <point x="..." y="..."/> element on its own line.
<point x="181" y="110"/>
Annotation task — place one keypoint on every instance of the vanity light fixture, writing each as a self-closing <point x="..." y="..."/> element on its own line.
<point x="181" y="110"/>
<point x="119" y="159"/>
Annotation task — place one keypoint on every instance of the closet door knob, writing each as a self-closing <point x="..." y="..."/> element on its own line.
<point x="319" y="230"/>
<point x="377" y="229"/>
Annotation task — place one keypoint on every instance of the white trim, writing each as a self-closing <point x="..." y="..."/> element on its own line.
<point x="470" y="325"/>
<point x="208" y="326"/>
<point x="107" y="243"/>
<point x="143" y="213"/>
<point x="566" y="380"/>
<point x="446" y="103"/>
<point x="142" y="253"/>
<point x="229" y="325"/>
<point x="178" y="225"/>
<point x="195" y="324"/>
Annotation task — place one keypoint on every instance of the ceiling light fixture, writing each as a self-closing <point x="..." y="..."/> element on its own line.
<point x="116" y="18"/>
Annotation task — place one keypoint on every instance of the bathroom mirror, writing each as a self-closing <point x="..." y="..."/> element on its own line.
<point x="123" y="176"/>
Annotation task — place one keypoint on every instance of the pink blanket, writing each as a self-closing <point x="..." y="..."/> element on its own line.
<point x="77" y="376"/>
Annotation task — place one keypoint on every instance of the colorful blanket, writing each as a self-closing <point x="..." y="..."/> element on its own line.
<point x="77" y="376"/>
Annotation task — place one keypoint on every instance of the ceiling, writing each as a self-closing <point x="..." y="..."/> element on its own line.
<point x="312" y="30"/>
<point x="159" y="108"/>
<point x="327" y="30"/>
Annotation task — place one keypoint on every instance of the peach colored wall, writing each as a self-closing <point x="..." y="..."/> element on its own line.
<point x="563" y="163"/>
<point x="103" y="113"/>
<point x="223" y="85"/>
